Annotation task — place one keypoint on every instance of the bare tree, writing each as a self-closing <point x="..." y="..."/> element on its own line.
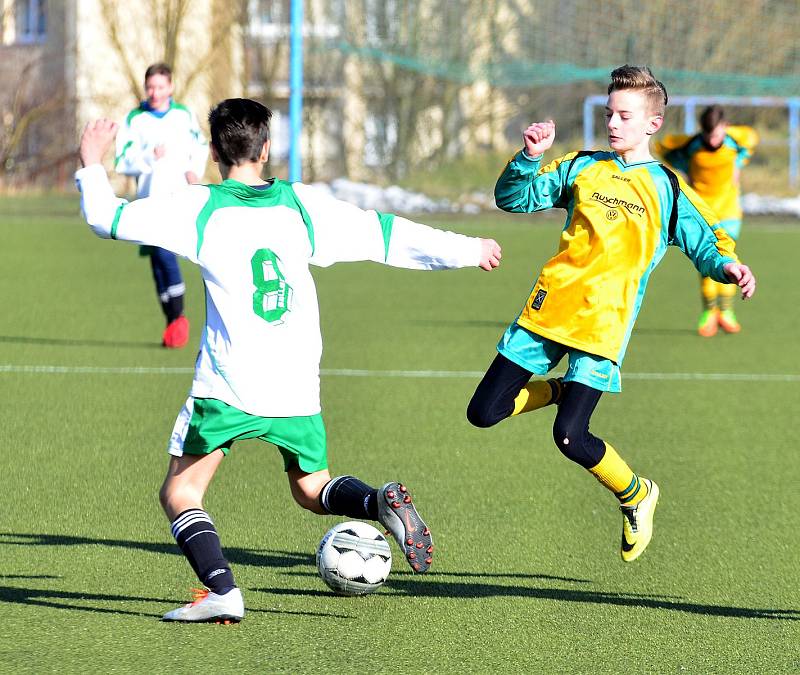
<point x="168" y="39"/>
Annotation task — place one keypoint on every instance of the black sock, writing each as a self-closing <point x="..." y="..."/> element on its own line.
<point x="199" y="541"/>
<point x="348" y="496"/>
<point x="173" y="308"/>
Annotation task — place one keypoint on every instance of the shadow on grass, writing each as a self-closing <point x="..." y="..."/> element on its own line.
<point x="475" y="590"/>
<point x="64" y="342"/>
<point x="57" y="599"/>
<point x="234" y="554"/>
<point x="66" y="600"/>
<point x="399" y="585"/>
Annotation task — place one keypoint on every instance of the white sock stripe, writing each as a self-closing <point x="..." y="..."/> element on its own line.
<point x="188" y="519"/>
<point x="176" y="530"/>
<point x="190" y="513"/>
<point x="324" y="496"/>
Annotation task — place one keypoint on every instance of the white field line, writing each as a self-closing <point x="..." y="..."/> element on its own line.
<point x="410" y="374"/>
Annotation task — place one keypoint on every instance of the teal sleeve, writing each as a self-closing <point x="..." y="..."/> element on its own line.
<point x="743" y="156"/>
<point x="679" y="158"/>
<point x="520" y="190"/>
<point x="694" y="235"/>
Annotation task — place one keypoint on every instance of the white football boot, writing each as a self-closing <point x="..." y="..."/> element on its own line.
<point x="396" y="512"/>
<point x="208" y="607"/>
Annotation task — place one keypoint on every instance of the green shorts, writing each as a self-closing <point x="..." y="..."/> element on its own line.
<point x="205" y="425"/>
<point x="540" y="355"/>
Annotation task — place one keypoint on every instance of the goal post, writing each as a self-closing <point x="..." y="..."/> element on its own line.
<point x="690" y="105"/>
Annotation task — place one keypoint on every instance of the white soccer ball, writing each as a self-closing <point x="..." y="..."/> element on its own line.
<point x="353" y="558"/>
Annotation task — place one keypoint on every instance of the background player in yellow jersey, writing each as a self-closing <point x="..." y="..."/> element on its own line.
<point x="623" y="210"/>
<point x="711" y="159"/>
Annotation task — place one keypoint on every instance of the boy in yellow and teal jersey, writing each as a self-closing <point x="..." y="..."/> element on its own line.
<point x="623" y="210"/>
<point x="712" y="159"/>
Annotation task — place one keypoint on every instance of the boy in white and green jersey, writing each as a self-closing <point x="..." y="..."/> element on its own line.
<point x="161" y="145"/>
<point x="257" y="373"/>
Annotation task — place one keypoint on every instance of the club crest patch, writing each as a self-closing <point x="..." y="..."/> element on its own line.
<point x="538" y="299"/>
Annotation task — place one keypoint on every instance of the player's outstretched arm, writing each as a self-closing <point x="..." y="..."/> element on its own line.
<point x="742" y="277"/>
<point x="342" y="232"/>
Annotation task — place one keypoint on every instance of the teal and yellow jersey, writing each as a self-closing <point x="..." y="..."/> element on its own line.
<point x="712" y="172"/>
<point x="620" y="219"/>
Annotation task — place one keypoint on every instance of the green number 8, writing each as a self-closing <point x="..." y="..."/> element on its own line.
<point x="273" y="295"/>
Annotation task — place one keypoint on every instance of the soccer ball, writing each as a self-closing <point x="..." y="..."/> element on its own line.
<point x="353" y="558"/>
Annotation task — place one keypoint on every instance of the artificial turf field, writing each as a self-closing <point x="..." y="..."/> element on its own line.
<point x="527" y="576"/>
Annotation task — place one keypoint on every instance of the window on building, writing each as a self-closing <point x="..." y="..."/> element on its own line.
<point x="30" y="18"/>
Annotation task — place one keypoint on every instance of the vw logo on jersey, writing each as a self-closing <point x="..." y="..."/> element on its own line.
<point x="612" y="214"/>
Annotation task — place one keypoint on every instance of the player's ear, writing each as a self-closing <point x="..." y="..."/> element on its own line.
<point x="264" y="156"/>
<point x="654" y="124"/>
<point x="214" y="154"/>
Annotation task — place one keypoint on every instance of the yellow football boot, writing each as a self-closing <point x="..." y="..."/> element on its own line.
<point x="637" y="523"/>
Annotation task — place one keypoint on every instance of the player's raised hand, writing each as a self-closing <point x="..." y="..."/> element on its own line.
<point x="96" y="139"/>
<point x="538" y="137"/>
<point x="490" y="254"/>
<point x="743" y="277"/>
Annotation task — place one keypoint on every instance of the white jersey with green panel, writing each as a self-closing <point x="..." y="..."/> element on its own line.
<point x="178" y="131"/>
<point x="261" y="346"/>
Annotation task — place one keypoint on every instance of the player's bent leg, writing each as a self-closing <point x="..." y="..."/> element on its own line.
<point x="494" y="398"/>
<point x="391" y="505"/>
<point x="637" y="496"/>
<point x="397" y="513"/>
<point x="181" y="496"/>
<point x="571" y="425"/>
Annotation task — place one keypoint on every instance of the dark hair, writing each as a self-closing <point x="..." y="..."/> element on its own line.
<point x="711" y="117"/>
<point x="158" y="69"/>
<point x="639" y="78"/>
<point x="239" y="129"/>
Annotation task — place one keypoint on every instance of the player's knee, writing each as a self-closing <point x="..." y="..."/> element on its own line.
<point x="569" y="438"/>
<point x="175" y="496"/>
<point x="482" y="415"/>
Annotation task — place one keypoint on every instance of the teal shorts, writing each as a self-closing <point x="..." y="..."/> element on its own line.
<point x="540" y="355"/>
<point x="205" y="425"/>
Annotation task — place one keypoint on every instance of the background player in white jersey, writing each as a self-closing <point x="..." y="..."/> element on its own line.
<point x="161" y="145"/>
<point x="257" y="374"/>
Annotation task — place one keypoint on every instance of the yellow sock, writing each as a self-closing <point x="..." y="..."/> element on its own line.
<point x="616" y="475"/>
<point x="709" y="289"/>
<point x="727" y="292"/>
<point x="537" y="394"/>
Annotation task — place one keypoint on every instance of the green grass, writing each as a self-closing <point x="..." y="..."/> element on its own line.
<point x="528" y="576"/>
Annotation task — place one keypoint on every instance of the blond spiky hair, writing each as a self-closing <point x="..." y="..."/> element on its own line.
<point x="639" y="78"/>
